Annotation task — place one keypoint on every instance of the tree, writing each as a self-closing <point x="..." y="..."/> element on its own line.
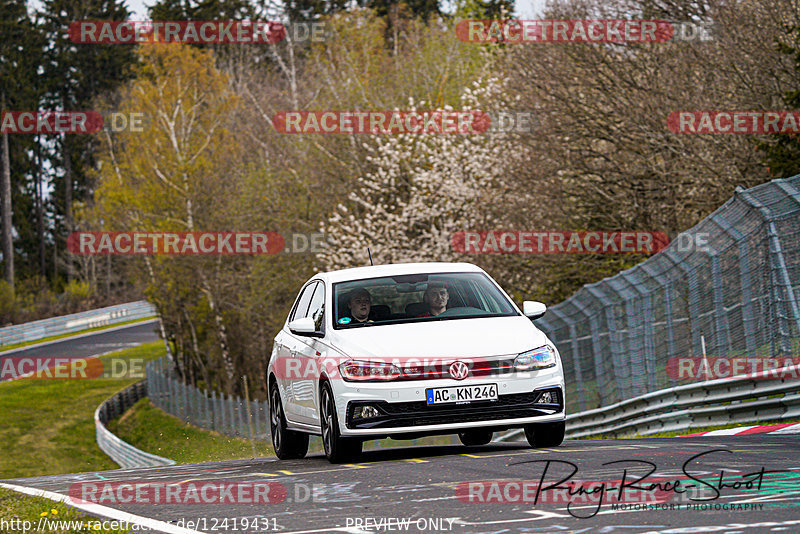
<point x="485" y="9"/>
<point x="75" y="76"/>
<point x="20" y="51"/>
<point x="783" y="151"/>
<point x="603" y="156"/>
<point x="176" y="176"/>
<point x="423" y="189"/>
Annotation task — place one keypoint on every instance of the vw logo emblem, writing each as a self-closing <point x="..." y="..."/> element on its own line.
<point x="459" y="370"/>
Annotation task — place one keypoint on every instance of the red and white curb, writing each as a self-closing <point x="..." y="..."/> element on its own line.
<point x="783" y="428"/>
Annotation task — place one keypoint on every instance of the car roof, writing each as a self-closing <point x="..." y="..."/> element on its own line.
<point x="394" y="269"/>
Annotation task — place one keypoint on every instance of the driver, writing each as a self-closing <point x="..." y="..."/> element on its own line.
<point x="359" y="302"/>
<point x="436" y="297"/>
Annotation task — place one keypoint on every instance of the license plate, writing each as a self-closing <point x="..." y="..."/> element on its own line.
<point x="461" y="394"/>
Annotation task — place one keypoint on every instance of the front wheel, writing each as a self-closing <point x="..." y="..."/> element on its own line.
<point x="337" y="448"/>
<point x="545" y="434"/>
<point x="475" y="437"/>
<point x="288" y="444"/>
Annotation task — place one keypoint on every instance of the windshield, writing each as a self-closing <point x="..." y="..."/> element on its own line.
<point x="417" y="298"/>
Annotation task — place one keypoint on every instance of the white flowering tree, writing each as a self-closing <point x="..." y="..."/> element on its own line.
<point x="422" y="189"/>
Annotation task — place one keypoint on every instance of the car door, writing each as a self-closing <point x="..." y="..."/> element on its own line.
<point x="307" y="352"/>
<point x="289" y="369"/>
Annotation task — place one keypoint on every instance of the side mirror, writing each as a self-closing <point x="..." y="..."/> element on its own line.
<point x="533" y="310"/>
<point x="304" y="327"/>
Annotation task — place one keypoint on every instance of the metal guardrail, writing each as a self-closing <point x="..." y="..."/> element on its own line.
<point x="125" y="454"/>
<point x="66" y="324"/>
<point x="767" y="395"/>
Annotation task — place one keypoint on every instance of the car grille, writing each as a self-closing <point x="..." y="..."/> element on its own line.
<point x="418" y="413"/>
<point x="440" y="369"/>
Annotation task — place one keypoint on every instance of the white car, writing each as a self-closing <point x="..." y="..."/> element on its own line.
<point x="409" y="350"/>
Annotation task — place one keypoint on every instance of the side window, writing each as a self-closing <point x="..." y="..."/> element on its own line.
<point x="316" y="310"/>
<point x="302" y="304"/>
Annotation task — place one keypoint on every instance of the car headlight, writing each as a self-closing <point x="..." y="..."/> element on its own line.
<point x="536" y="359"/>
<point x="375" y="371"/>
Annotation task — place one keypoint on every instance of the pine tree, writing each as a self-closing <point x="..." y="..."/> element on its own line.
<point x="19" y="90"/>
<point x="76" y="75"/>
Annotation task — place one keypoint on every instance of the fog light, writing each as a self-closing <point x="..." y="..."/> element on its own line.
<point x="364" y="412"/>
<point x="548" y="397"/>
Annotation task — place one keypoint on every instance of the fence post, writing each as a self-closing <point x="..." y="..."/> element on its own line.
<point x="777" y="260"/>
<point x="694" y="299"/>
<point x="613" y="341"/>
<point x="600" y="389"/>
<point x="222" y="413"/>
<point x="748" y="317"/>
<point x="185" y="393"/>
<point x="172" y="399"/>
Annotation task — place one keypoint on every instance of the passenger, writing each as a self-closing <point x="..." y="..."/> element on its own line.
<point x="435" y="297"/>
<point x="359" y="303"/>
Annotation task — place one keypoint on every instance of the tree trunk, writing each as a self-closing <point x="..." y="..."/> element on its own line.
<point x="39" y="205"/>
<point x="170" y="356"/>
<point x="67" y="196"/>
<point x="5" y="213"/>
<point x="222" y="333"/>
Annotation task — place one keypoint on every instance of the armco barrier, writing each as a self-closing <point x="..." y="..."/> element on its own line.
<point x="768" y="395"/>
<point x="67" y="324"/>
<point x="125" y="454"/>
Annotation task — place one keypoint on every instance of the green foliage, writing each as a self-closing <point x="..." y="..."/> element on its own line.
<point x="485" y="9"/>
<point x="34" y="299"/>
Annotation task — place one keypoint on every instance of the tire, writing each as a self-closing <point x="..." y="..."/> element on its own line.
<point x="337" y="448"/>
<point x="288" y="444"/>
<point x="475" y="437"/>
<point x="545" y="434"/>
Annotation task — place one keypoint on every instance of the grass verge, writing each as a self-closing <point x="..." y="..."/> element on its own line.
<point x="47" y="425"/>
<point x="22" y="344"/>
<point x="150" y="429"/>
<point x="22" y="513"/>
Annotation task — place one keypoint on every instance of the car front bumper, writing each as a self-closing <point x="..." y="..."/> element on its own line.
<point x="402" y="408"/>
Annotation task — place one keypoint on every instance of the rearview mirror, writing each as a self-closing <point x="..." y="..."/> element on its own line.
<point x="304" y="327"/>
<point x="533" y="310"/>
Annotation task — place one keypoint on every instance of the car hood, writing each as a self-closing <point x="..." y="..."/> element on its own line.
<point x="455" y="338"/>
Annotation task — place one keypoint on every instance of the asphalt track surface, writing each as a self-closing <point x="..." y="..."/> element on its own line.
<point x="419" y="487"/>
<point x="93" y="343"/>
<point x="731" y="484"/>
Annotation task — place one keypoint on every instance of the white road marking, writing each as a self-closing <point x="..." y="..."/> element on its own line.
<point x="103" y="511"/>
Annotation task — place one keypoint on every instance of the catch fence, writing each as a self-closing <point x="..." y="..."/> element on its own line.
<point x="722" y="300"/>
<point x="226" y="414"/>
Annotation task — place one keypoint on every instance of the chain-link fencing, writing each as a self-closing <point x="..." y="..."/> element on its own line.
<point x="226" y="414"/>
<point x="723" y="299"/>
